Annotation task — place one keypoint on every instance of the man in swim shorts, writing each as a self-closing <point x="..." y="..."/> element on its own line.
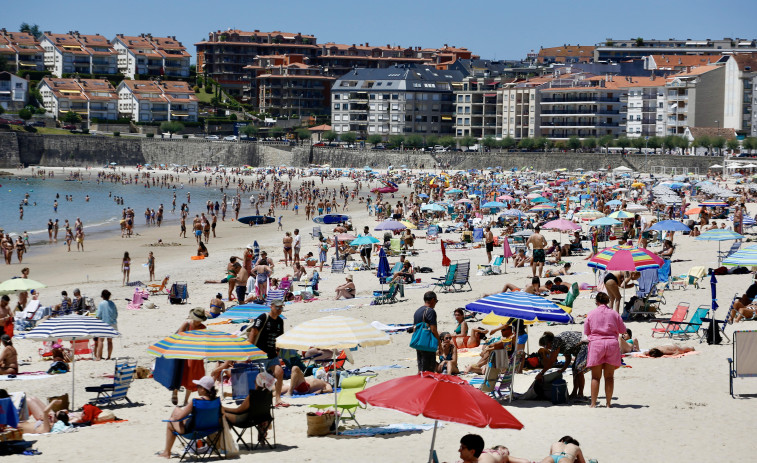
<point x="538" y="243"/>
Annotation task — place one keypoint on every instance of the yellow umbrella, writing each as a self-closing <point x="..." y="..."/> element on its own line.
<point x="409" y="225"/>
<point x="637" y="185"/>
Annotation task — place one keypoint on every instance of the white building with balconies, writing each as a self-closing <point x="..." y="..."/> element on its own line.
<point x="90" y="98"/>
<point x="145" y="55"/>
<point x="154" y="101"/>
<point x="75" y="53"/>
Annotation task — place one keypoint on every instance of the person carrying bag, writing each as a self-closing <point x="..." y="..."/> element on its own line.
<point x="425" y="339"/>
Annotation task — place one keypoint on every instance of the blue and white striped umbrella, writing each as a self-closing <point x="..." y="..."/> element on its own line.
<point x="748" y="221"/>
<point x="71" y="328"/>
<point x="746" y="257"/>
<point x="524" y="306"/>
<point x="719" y="235"/>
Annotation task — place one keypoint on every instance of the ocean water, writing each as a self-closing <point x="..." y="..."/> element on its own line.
<point x="101" y="213"/>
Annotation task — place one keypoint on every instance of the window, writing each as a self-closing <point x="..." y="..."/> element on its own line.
<point x="416" y="85"/>
<point x="467" y="98"/>
<point x="337" y="106"/>
<point x="395" y="106"/>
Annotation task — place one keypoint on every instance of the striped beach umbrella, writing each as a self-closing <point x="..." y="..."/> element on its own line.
<point x="719" y="235"/>
<point x="545" y="207"/>
<point x="246" y="312"/>
<point x="746" y="257"/>
<point x="71" y="328"/>
<point x="713" y="203"/>
<point x="627" y="258"/>
<point x="206" y="345"/>
<point x="588" y="214"/>
<point x="621" y="215"/>
<point x="520" y="305"/>
<point x="747" y="221"/>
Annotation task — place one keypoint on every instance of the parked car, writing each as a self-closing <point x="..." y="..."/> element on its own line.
<point x="379" y="147"/>
<point x="320" y="143"/>
<point x="69" y="127"/>
<point x="212" y="137"/>
<point x="230" y="138"/>
<point x="35" y="124"/>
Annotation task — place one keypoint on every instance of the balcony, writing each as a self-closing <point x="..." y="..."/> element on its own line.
<point x="587" y="112"/>
<point x="580" y="124"/>
<point x="580" y="99"/>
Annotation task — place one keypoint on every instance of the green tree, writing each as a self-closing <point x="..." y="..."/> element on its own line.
<point x="750" y="143"/>
<point x="329" y="136"/>
<point x="432" y="140"/>
<point x="508" y="143"/>
<point x="542" y="143"/>
<point x="348" y="137"/>
<point x="655" y="143"/>
<point x="639" y="143"/>
<point x="623" y="143"/>
<point x="4" y="64"/>
<point x="447" y="141"/>
<point x="171" y="127"/>
<point x="733" y="144"/>
<point x="719" y="143"/>
<point x="589" y="143"/>
<point x="232" y="117"/>
<point x="669" y="142"/>
<point x="467" y="141"/>
<point x="415" y="141"/>
<point x="2" y="110"/>
<point x="25" y="114"/>
<point x="30" y="29"/>
<point x="72" y="118"/>
<point x="606" y="141"/>
<point x="682" y="142"/>
<point x="373" y="139"/>
<point x="703" y="141"/>
<point x="276" y="132"/>
<point x="250" y="131"/>
<point x="574" y="143"/>
<point x="526" y="144"/>
<point x="396" y="141"/>
<point x="639" y="42"/>
<point x="489" y="142"/>
<point x="302" y="134"/>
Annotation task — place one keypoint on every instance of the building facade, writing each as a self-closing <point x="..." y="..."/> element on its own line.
<point x="288" y="87"/>
<point x="90" y="98"/>
<point x="78" y="53"/>
<point x="13" y="91"/>
<point x="21" y="51"/>
<point x="740" y="97"/>
<point x="155" y="100"/>
<point x="620" y="50"/>
<point x="145" y="55"/>
<point x="394" y="101"/>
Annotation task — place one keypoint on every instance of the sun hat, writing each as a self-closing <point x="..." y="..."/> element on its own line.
<point x="206" y="382"/>
<point x="249" y="246"/>
<point x="348" y="276"/>
<point x="198" y="314"/>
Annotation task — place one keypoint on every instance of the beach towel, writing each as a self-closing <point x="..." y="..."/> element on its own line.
<point x="389" y="429"/>
<point x="390" y="328"/>
<point x="26" y="376"/>
<point x="372" y="369"/>
<point x="136" y="283"/>
<point x="296" y="395"/>
<point x="644" y="355"/>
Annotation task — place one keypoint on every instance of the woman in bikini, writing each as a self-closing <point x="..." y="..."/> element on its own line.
<point x="614" y="281"/>
<point x="447" y="353"/>
<point x="346" y="290"/>
<point x="262" y="272"/>
<point x="125" y="266"/>
<point x="466" y="337"/>
<point x="217" y="307"/>
<point x="566" y="450"/>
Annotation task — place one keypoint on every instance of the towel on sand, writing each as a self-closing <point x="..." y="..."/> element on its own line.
<point x="389" y="429"/>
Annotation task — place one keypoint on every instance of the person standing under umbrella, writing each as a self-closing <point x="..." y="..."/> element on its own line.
<point x="365" y="250"/>
<point x="263" y="333"/>
<point x="603" y="326"/>
<point x="427" y="314"/>
<point x="108" y="313"/>
<point x="191" y="370"/>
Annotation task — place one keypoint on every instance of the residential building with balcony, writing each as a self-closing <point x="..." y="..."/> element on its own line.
<point x="145" y="55"/>
<point x="620" y="50"/>
<point x="478" y="106"/>
<point x="667" y="64"/>
<point x="399" y="100"/>
<point x="21" y="51"/>
<point x="288" y="86"/>
<point x="521" y="108"/>
<point x="740" y="109"/>
<point x="90" y="98"/>
<point x="566" y="54"/>
<point x="76" y="53"/>
<point x="155" y="100"/>
<point x="693" y="99"/>
<point x="13" y="91"/>
<point x="642" y="98"/>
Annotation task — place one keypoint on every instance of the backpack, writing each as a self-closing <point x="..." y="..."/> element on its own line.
<point x="708" y="334"/>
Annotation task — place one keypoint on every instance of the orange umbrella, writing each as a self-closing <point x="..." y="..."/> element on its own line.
<point x="693" y="211"/>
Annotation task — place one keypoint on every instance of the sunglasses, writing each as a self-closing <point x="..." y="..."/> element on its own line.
<point x="448" y="338"/>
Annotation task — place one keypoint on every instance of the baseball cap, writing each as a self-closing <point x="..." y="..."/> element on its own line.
<point x="277" y="303"/>
<point x="206" y="382"/>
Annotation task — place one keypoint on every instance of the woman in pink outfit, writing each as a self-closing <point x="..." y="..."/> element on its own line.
<point x="602" y="327"/>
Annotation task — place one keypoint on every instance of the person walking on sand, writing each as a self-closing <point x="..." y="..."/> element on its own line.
<point x="108" y="313"/>
<point x="426" y="314"/>
<point x="602" y="327"/>
<point x="296" y="244"/>
<point x="80" y="240"/>
<point x="538" y="243"/>
<point x="125" y="268"/>
<point x="287" y="241"/>
<point x="323" y="249"/>
<point x="489" y="238"/>
<point x="151" y="265"/>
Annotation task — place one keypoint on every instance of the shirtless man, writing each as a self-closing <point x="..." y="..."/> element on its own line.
<point x="197" y="228"/>
<point x="8" y="357"/>
<point x="538" y="243"/>
<point x="566" y="450"/>
<point x="241" y="281"/>
<point x="287" y="241"/>
<point x="6" y="315"/>
<point x="489" y="238"/>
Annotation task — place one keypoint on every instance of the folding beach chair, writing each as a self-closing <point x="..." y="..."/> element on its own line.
<point x="695" y="275"/>
<point x="316" y="233"/>
<point x="337" y="266"/>
<point x="448" y="280"/>
<point x="390" y="296"/>
<point x="462" y="275"/>
<point x="743" y="364"/>
<point x="82" y="349"/>
<point x="432" y="234"/>
<point x="504" y="384"/>
<point x="665" y="326"/>
<point x="274" y="294"/>
<point x="494" y="267"/>
<point x="569" y="298"/>
<point x="478" y="235"/>
<point x="346" y="400"/>
<point x="159" y="289"/>
<point x="260" y="417"/>
<point x="694" y="325"/>
<point x="204" y="423"/>
<point x="108" y="394"/>
<point x="726" y="254"/>
<point x="395" y="247"/>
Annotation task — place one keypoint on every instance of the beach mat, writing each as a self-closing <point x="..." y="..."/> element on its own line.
<point x="28" y="376"/>
<point x="389" y="429"/>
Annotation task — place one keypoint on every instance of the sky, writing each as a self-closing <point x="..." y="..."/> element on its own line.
<point x="492" y="29"/>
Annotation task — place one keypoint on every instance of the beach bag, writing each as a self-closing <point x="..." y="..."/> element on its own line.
<point x="320" y="425"/>
<point x="423" y="339"/>
<point x="230" y="445"/>
<point x="708" y="333"/>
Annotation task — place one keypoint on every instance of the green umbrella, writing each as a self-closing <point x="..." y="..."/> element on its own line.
<point x="18" y="285"/>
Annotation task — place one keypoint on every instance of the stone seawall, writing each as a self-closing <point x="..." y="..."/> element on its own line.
<point x="84" y="150"/>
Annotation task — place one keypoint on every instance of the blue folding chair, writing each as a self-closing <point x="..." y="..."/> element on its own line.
<point x="204" y="423"/>
<point x="109" y="394"/>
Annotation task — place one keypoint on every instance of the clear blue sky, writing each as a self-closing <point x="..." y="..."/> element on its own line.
<point x="501" y="29"/>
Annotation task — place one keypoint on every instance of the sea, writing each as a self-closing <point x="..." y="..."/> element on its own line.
<point x="101" y="213"/>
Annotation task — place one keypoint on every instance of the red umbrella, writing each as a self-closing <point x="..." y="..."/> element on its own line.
<point x="445" y="259"/>
<point x="440" y="397"/>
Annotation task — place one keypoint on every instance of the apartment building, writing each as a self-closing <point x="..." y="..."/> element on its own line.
<point x="21" y="51"/>
<point x="90" y="98"/>
<point x="566" y="54"/>
<point x="741" y="93"/>
<point x="644" y="104"/>
<point x="155" y="100"/>
<point x="478" y="106"/>
<point x="693" y="99"/>
<point x="288" y="86"/>
<point x="666" y="64"/>
<point x="393" y="101"/>
<point x="13" y="91"/>
<point x="145" y="55"/>
<point x="619" y="50"/>
<point x="78" y="53"/>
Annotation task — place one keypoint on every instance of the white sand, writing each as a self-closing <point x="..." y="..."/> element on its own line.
<point x="664" y="409"/>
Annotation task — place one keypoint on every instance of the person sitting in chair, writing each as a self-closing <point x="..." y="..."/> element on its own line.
<point x="207" y="391"/>
<point x="299" y="384"/>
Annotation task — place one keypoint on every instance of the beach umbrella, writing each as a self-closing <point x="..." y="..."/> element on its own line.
<point x="364" y="240"/>
<point x="630" y="207"/>
<point x="463" y="201"/>
<point x="533" y="195"/>
<point x="392" y="225"/>
<point x="409" y="224"/>
<point x="514" y="213"/>
<point x="713" y="203"/>
<point x="207" y="345"/>
<point x="19" y="285"/>
<point x="344" y="237"/>
<point x="714" y="294"/>
<point x="542" y="208"/>
<point x="439" y="397"/>
<point x="71" y="328"/>
<point x="561" y="224"/>
<point x="505" y="198"/>
<point x="604" y="222"/>
<point x="614" y="202"/>
<point x="520" y="305"/>
<point x="453" y="191"/>
<point x="539" y="200"/>
<point x="588" y="214"/>
<point x="693" y="211"/>
<point x="433" y="207"/>
<point x="719" y="235"/>
<point x="246" y="312"/>
<point x="382" y="270"/>
<point x="524" y="233"/>
<point x="670" y="225"/>
<point x="493" y="204"/>
<point x="621" y="215"/>
<point x="627" y="258"/>
<point x="746" y="257"/>
<point x="332" y="332"/>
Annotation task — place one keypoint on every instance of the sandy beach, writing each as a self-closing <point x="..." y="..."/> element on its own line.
<point x="664" y="410"/>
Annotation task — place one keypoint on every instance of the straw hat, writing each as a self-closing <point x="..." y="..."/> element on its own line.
<point x="348" y="276"/>
<point x="198" y="314"/>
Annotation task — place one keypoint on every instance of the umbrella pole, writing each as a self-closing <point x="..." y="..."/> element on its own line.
<point x="433" y="440"/>
<point x="73" y="375"/>
<point x="336" y="410"/>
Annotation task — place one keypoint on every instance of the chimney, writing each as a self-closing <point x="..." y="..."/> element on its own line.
<point x="366" y="44"/>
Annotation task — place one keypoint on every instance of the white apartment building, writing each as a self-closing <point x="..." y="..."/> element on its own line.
<point x="90" y="98"/>
<point x="740" y="97"/>
<point x="77" y="53"/>
<point x="520" y="110"/>
<point x="13" y="91"/>
<point x="21" y="51"/>
<point x="150" y="101"/>
<point x="145" y="55"/>
<point x="693" y="99"/>
<point x="642" y="97"/>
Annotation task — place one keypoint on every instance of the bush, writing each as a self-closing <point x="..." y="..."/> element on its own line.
<point x="208" y="89"/>
<point x="25" y="114"/>
<point x="196" y="89"/>
<point x="116" y="134"/>
<point x="85" y="131"/>
<point x="150" y="135"/>
<point x="185" y="136"/>
<point x="232" y="117"/>
<point x="30" y="129"/>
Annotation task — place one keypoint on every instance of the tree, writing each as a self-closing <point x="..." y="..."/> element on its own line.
<point x="623" y="143"/>
<point x="232" y="117"/>
<point x="639" y="42"/>
<point x="703" y="141"/>
<point x="396" y="141"/>
<point x="489" y="142"/>
<point x="574" y="143"/>
<point x="4" y="64"/>
<point x="276" y="132"/>
<point x="605" y="141"/>
<point x="31" y="29"/>
<point x="302" y="134"/>
<point x="669" y="142"/>
<point x="542" y="143"/>
<point x="348" y="137"/>
<point x="432" y="140"/>
<point x="750" y="143"/>
<point x="639" y="143"/>
<point x="415" y="141"/>
<point x="2" y="110"/>
<point x="25" y="114"/>
<point x="719" y="143"/>
<point x="508" y="143"/>
<point x="447" y="141"/>
<point x="250" y="131"/>
<point x="329" y="136"/>
<point x="467" y="141"/>
<point x="171" y="127"/>
<point x="654" y="143"/>
<point x="373" y="139"/>
<point x="733" y="144"/>
<point x="526" y="144"/>
<point x="589" y="143"/>
<point x="72" y="118"/>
